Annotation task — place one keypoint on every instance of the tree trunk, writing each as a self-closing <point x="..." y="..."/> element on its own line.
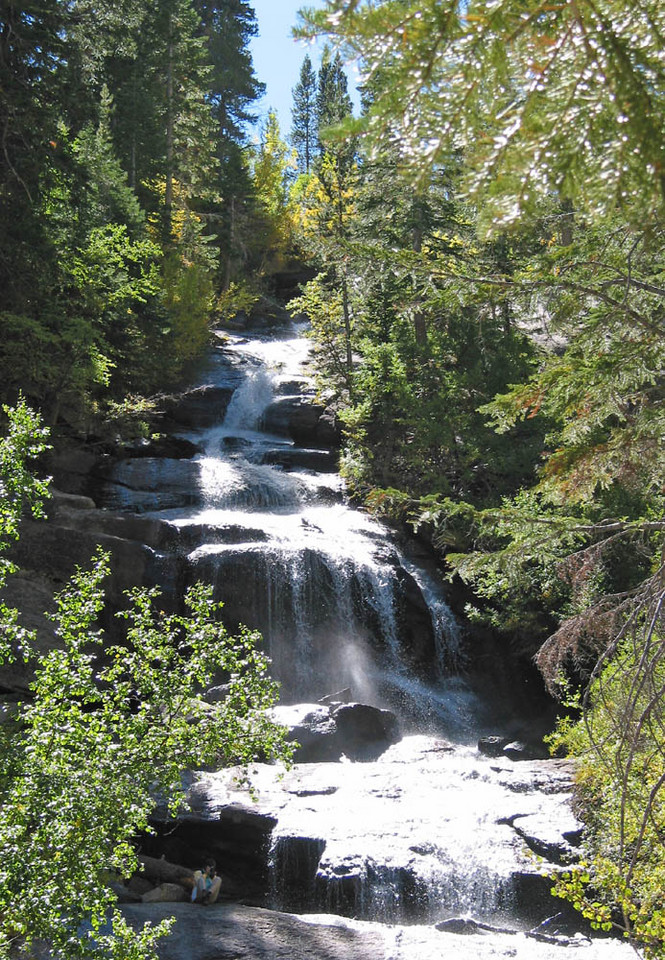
<point x="232" y="237"/>
<point x="161" y="871"/>
<point x="168" y="192"/>
<point x="567" y="223"/>
<point x="347" y="324"/>
<point x="419" y="320"/>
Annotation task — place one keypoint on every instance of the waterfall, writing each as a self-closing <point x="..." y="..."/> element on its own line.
<point x="450" y="656"/>
<point x="323" y="583"/>
<point x="424" y="832"/>
<point x="249" y="401"/>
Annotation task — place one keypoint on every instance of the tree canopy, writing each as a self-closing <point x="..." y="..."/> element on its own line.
<point x="122" y="131"/>
<point x="304" y="132"/>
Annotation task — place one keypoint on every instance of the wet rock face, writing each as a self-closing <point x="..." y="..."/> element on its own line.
<point x="334" y="612"/>
<point x="201" y="407"/>
<point x="219" y="500"/>
<point x="148" y="483"/>
<point x="323" y="461"/>
<point x="49" y="552"/>
<point x="547" y="839"/>
<point x="415" y="623"/>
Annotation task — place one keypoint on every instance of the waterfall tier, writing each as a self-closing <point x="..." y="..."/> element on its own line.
<point x="265" y="517"/>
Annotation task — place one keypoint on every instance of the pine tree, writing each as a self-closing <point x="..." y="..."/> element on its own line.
<point x="503" y="81"/>
<point x="228" y="26"/>
<point x="333" y="103"/>
<point x="33" y="50"/>
<point x="304" y="131"/>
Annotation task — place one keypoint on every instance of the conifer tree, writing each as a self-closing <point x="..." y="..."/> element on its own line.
<point x="333" y="103"/>
<point x="228" y="27"/>
<point x="304" y="130"/>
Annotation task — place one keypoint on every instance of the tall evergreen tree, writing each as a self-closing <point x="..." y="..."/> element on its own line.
<point x="229" y="26"/>
<point x="304" y="130"/>
<point x="33" y="49"/>
<point x="333" y="103"/>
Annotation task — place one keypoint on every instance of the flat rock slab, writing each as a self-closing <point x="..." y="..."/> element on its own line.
<point x="233" y="932"/>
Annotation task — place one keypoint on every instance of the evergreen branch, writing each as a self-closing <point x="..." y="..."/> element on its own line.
<point x="573" y="286"/>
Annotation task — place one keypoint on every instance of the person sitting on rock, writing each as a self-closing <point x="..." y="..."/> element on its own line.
<point x="206" y="883"/>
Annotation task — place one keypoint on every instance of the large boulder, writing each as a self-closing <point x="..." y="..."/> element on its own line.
<point x="56" y="549"/>
<point x="71" y="466"/>
<point x="302" y="458"/>
<point x="525" y="750"/>
<point x="492" y="746"/>
<point x="201" y="407"/>
<point x="249" y="933"/>
<point x="313" y="727"/>
<point x="365" y="732"/>
<point x="236" y="834"/>
<point x="327" y="732"/>
<point x="166" y="893"/>
<point x="303" y="421"/>
<point x="557" y="840"/>
<point x="32" y="594"/>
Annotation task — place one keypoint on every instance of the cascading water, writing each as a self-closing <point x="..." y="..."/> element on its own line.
<point x="426" y="831"/>
<point x="317" y="578"/>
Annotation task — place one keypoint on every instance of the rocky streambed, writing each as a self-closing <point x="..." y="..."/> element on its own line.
<point x="429" y="850"/>
<point x="424" y="832"/>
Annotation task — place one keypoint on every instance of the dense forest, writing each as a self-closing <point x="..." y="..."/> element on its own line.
<point x="486" y="251"/>
<point x="130" y="197"/>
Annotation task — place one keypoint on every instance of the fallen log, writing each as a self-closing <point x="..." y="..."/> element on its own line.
<point x="161" y="871"/>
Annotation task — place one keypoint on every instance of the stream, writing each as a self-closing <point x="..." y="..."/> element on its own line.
<point x="428" y="831"/>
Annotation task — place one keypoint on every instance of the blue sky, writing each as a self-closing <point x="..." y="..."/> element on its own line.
<point x="278" y="57"/>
